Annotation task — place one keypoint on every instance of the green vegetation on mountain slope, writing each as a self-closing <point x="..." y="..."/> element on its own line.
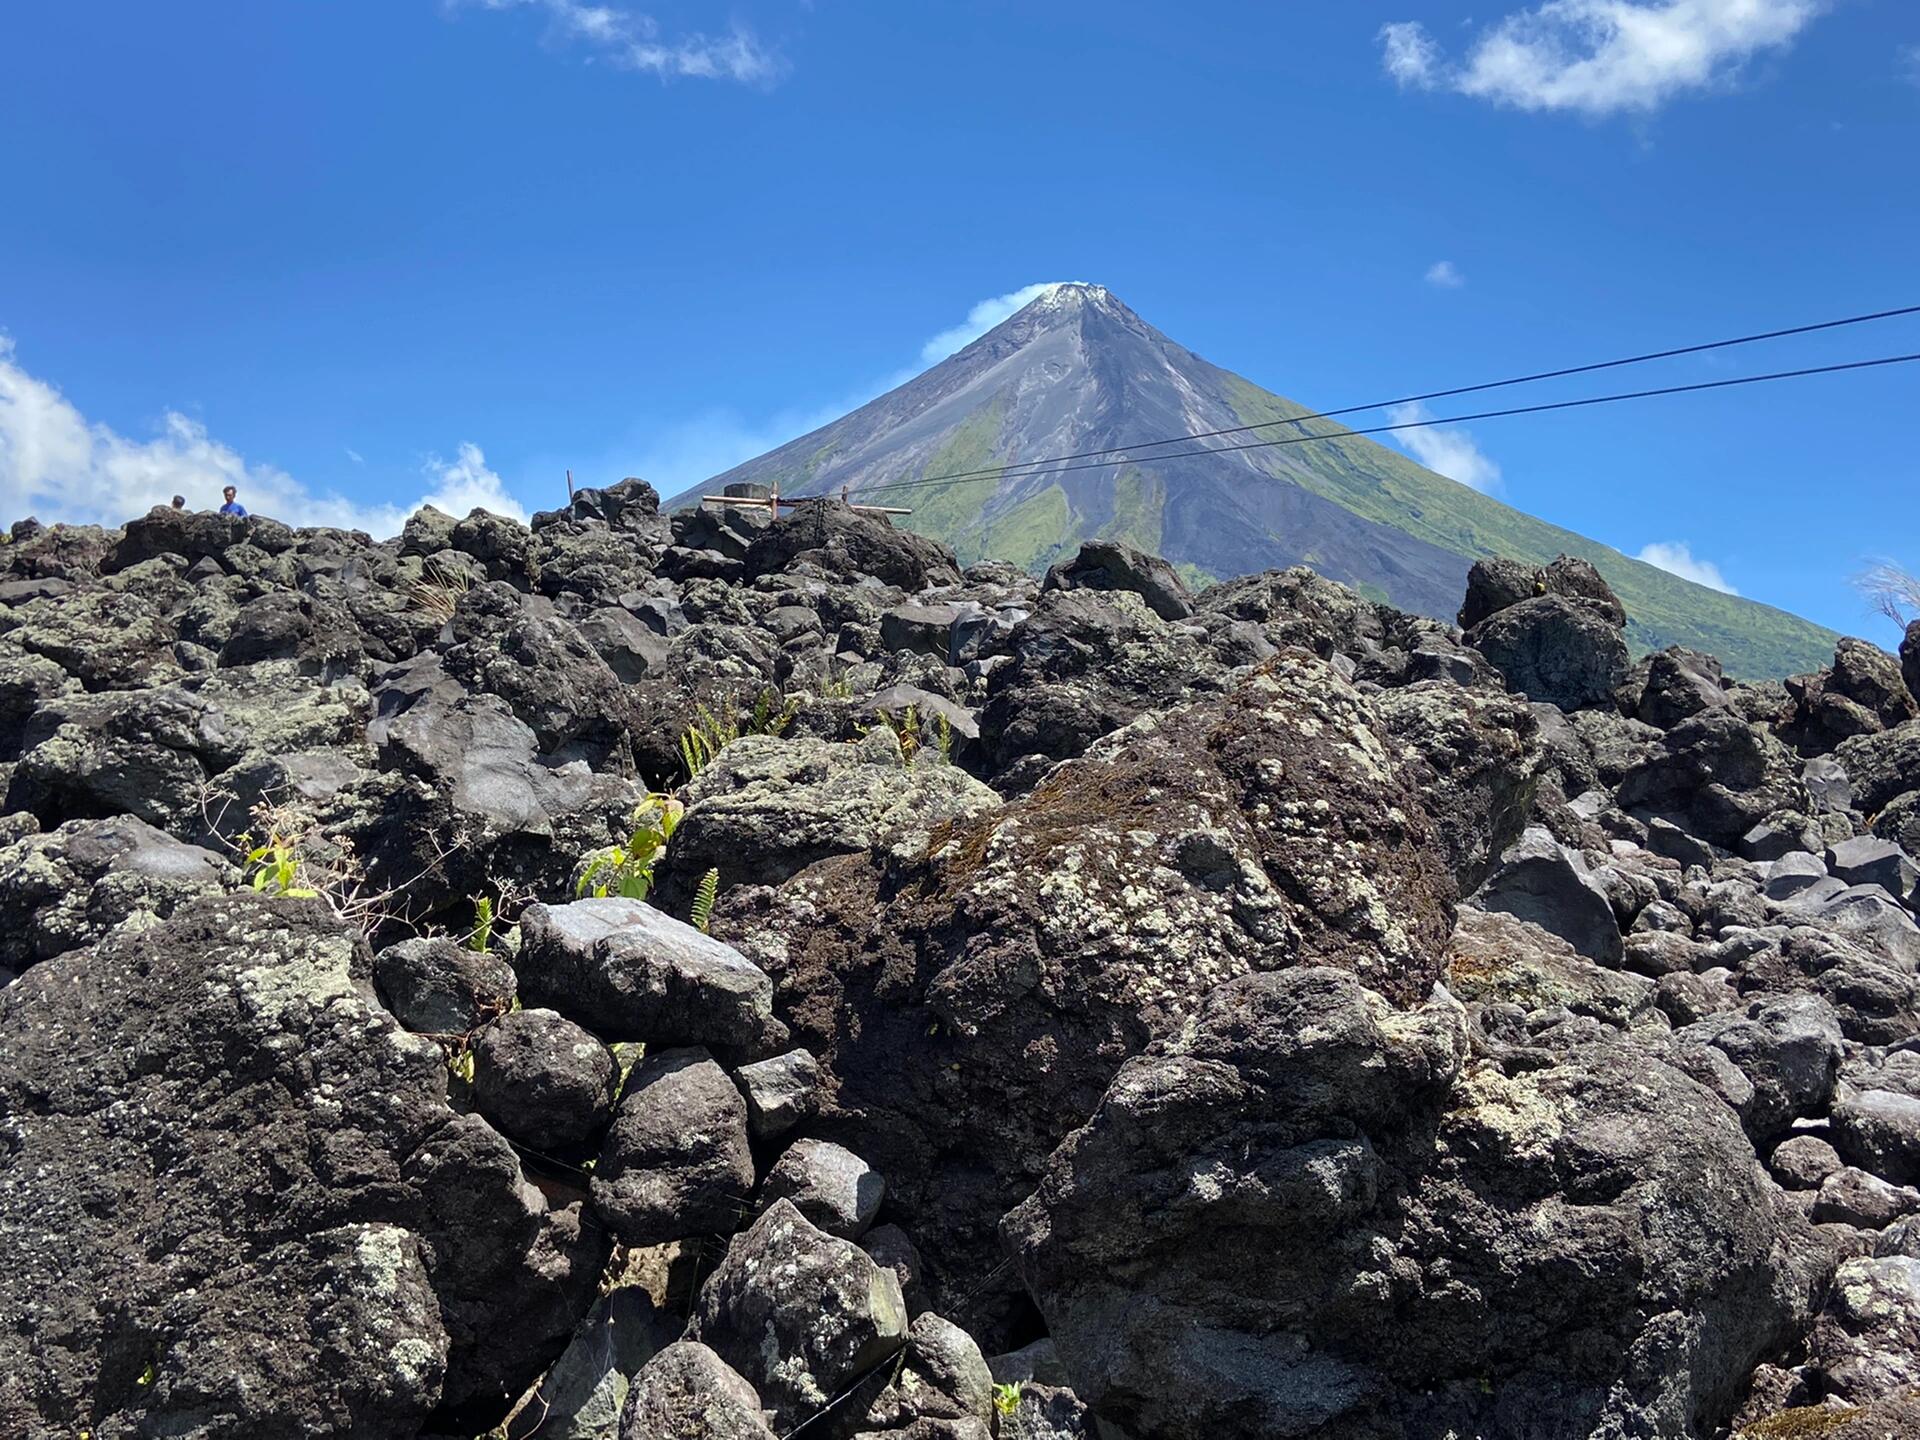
<point x="1379" y="484"/>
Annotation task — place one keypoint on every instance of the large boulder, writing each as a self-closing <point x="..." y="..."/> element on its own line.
<point x="1083" y="664"/>
<point x="768" y="807"/>
<point x="434" y="986"/>
<point x="972" y="1006"/>
<point x="1498" y="584"/>
<point x="69" y="888"/>
<point x="630" y="972"/>
<point x="802" y="1315"/>
<point x="504" y="644"/>
<point x="1882" y="767"/>
<point x="1478" y="759"/>
<point x="1316" y="1215"/>
<point x="1866" y="1345"/>
<point x="1115" y="565"/>
<point x="1555" y="650"/>
<point x="1541" y="881"/>
<point x="543" y="1081"/>
<point x="850" y="545"/>
<point x="1717" y="776"/>
<point x="686" y="1391"/>
<point x="347" y="1269"/>
<point x="675" y="1163"/>
<point x="1680" y="684"/>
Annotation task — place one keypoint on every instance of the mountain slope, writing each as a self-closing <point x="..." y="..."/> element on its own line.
<point x="1077" y="370"/>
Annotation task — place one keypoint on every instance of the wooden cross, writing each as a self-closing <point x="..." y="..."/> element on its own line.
<point x="772" y="501"/>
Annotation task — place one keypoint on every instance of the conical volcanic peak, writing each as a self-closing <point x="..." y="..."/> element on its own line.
<point x="1077" y="371"/>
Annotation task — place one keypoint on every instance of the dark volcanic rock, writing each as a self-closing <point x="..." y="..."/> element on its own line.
<point x="1542" y="881"/>
<point x="687" y="1391"/>
<point x="767" y="807"/>
<point x="439" y="987"/>
<point x="1496" y="585"/>
<point x="1680" y="684"/>
<point x="676" y="1163"/>
<point x="1718" y="774"/>
<point x="1309" y="1201"/>
<point x="849" y="545"/>
<point x="159" y="1256"/>
<point x="633" y="973"/>
<point x="799" y="1313"/>
<point x="829" y="1184"/>
<point x="1477" y="759"/>
<point x="542" y="1080"/>
<point x="1084" y="664"/>
<point x="1554" y="650"/>
<point x="1112" y="565"/>
<point x="70" y="888"/>
<point x="972" y="1007"/>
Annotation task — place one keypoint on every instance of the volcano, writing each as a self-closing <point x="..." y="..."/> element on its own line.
<point x="1077" y="371"/>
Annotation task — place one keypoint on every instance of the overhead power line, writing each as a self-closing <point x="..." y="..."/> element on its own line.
<point x="1013" y="469"/>
<point x="1051" y="468"/>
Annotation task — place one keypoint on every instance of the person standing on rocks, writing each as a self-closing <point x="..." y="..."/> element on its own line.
<point x="232" y="506"/>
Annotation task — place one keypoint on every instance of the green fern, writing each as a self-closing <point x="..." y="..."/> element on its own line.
<point x="481" y="937"/>
<point x="703" y="899"/>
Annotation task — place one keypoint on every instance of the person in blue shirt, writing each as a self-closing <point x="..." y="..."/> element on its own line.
<point x="233" y="506"/>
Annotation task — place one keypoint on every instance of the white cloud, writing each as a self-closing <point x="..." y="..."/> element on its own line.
<point x="56" y="464"/>
<point x="1677" y="558"/>
<point x="1409" y="53"/>
<point x="355" y="456"/>
<point x="982" y="318"/>
<point x="1910" y="64"/>
<point x="1445" y="275"/>
<point x="1451" y="453"/>
<point x="1601" y="57"/>
<point x="628" y="40"/>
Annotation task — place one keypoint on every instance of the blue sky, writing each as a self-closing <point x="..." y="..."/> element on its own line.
<point x="355" y="253"/>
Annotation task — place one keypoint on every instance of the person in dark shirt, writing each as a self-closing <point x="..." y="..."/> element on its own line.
<point x="179" y="502"/>
<point x="233" y="506"/>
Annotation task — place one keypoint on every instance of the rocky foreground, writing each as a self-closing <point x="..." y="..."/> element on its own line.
<point x="1252" y="1014"/>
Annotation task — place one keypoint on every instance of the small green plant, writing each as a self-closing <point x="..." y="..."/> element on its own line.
<point x="626" y="869"/>
<point x="703" y="899"/>
<point x="275" y="868"/>
<point x="481" y="938"/>
<point x="718" y="725"/>
<point x="914" y="733"/>
<point x="1006" y="1399"/>
<point x="460" y="1065"/>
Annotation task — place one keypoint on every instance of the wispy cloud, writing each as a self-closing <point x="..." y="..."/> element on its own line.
<point x="629" y="40"/>
<point x="982" y="318"/>
<point x="355" y="456"/>
<point x="1910" y="64"/>
<point x="1600" y="57"/>
<point x="1410" y="54"/>
<point x="1445" y="275"/>
<point x="57" y="464"/>
<point x="1676" y="557"/>
<point x="1452" y="453"/>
